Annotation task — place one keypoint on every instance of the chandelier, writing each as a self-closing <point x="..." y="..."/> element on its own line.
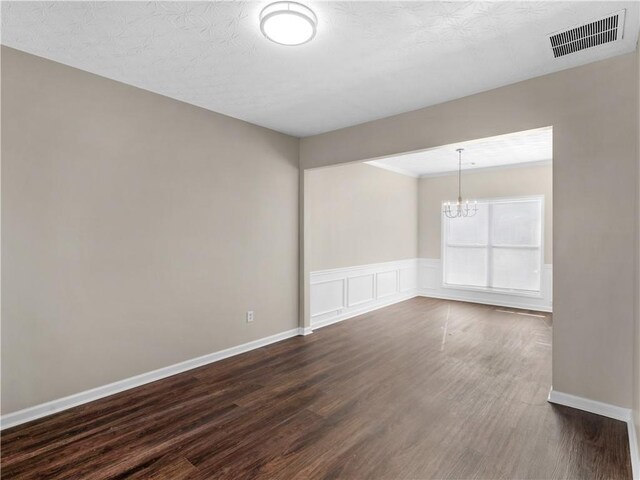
<point x="460" y="209"/>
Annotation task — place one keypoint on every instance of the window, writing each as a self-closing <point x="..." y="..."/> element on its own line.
<point x="498" y="249"/>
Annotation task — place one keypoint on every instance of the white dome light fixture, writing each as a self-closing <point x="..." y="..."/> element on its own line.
<point x="288" y="23"/>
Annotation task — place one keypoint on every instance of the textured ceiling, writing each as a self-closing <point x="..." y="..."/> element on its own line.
<point x="369" y="59"/>
<point x="521" y="148"/>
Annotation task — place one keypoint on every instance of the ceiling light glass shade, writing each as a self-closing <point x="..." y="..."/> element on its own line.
<point x="288" y="23"/>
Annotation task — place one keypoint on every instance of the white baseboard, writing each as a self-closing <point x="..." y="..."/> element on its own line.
<point x="496" y="303"/>
<point x="591" y="406"/>
<point x="430" y="285"/>
<point x="304" y="331"/>
<point x="58" y="405"/>
<point x="355" y="313"/>
<point x="606" y="410"/>
<point x="342" y="293"/>
<point x="633" y="449"/>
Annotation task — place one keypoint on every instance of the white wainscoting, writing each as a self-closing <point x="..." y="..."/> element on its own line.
<point x="430" y="285"/>
<point x="342" y="293"/>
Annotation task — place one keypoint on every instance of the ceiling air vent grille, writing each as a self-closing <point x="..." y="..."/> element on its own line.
<point x="604" y="30"/>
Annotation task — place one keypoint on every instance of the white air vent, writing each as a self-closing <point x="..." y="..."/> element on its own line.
<point x="604" y="30"/>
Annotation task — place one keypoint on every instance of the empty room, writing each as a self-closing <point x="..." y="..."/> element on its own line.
<point x="305" y="240"/>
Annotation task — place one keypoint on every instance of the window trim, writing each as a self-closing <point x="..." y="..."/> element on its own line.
<point x="489" y="246"/>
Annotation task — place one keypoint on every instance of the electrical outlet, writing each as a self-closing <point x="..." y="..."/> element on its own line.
<point x="250" y="316"/>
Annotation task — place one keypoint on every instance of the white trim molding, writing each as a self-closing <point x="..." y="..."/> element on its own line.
<point x="58" y="405"/>
<point x="342" y="293"/>
<point x="347" y="315"/>
<point x="606" y="410"/>
<point x="304" y="331"/>
<point x="496" y="168"/>
<point x="591" y="406"/>
<point x="430" y="285"/>
<point x="633" y="448"/>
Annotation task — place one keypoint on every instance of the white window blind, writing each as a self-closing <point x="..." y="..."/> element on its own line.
<point x="500" y="248"/>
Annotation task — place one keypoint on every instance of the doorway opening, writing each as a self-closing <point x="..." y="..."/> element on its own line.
<point x="376" y="232"/>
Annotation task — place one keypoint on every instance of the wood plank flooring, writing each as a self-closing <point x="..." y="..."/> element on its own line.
<point x="399" y="393"/>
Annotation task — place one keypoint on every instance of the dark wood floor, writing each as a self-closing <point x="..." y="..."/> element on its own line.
<point x="398" y="393"/>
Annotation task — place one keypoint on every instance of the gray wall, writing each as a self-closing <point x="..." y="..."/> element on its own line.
<point x="136" y="231"/>
<point x="359" y="214"/>
<point x="636" y="363"/>
<point x="593" y="110"/>
<point x="506" y="182"/>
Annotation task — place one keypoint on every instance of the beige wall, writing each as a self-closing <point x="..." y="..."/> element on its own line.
<point x="636" y="362"/>
<point x="359" y="214"/>
<point x="507" y="182"/>
<point x="122" y="210"/>
<point x="136" y="231"/>
<point x="593" y="110"/>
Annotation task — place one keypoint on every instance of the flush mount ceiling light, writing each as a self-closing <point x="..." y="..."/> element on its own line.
<point x="288" y="23"/>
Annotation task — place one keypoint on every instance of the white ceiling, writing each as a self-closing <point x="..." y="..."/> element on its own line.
<point x="513" y="149"/>
<point x="369" y="59"/>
